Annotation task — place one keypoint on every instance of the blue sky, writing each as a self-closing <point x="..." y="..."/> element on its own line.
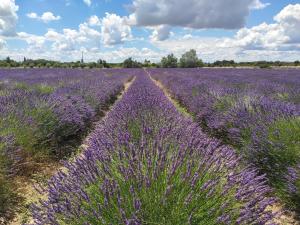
<point x="116" y="29"/>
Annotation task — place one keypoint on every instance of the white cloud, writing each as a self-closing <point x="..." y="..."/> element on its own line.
<point x="230" y="14"/>
<point x="178" y="45"/>
<point x="277" y="41"/>
<point x="88" y="2"/>
<point x="2" y="43"/>
<point x="289" y="20"/>
<point x="282" y="35"/>
<point x="52" y="35"/>
<point x="122" y="53"/>
<point x="35" y="42"/>
<point x="258" y="5"/>
<point x="94" y="21"/>
<point x="89" y="33"/>
<point x="8" y="17"/>
<point x="209" y="49"/>
<point x="115" y="29"/>
<point x="187" y="36"/>
<point x="32" y="15"/>
<point x="71" y="39"/>
<point x="161" y="33"/>
<point x="91" y="54"/>
<point x="46" y="17"/>
<point x="212" y="49"/>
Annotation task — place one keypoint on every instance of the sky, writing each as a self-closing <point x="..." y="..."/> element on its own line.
<point x="113" y="30"/>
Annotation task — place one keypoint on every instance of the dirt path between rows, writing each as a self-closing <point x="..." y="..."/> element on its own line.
<point x="285" y="218"/>
<point x="47" y="170"/>
<point x="167" y="93"/>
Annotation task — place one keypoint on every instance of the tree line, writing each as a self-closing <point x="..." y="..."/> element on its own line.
<point x="188" y="60"/>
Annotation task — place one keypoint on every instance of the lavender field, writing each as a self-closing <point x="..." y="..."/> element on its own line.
<point x="161" y="146"/>
<point x="255" y="111"/>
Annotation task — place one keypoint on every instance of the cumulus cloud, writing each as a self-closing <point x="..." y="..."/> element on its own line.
<point x="70" y="39"/>
<point x="230" y="14"/>
<point x="32" y="15"/>
<point x="212" y="49"/>
<point x="120" y="54"/>
<point x="282" y="35"/>
<point x="161" y="33"/>
<point x="35" y="42"/>
<point x="46" y="17"/>
<point x="204" y="46"/>
<point x="94" y="21"/>
<point x="289" y="20"/>
<point x="91" y="54"/>
<point x="8" y="17"/>
<point x="88" y="2"/>
<point x="111" y="30"/>
<point x="115" y="29"/>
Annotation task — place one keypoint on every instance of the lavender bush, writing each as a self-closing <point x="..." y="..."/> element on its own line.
<point x="147" y="164"/>
<point x="44" y="114"/>
<point x="256" y="111"/>
<point x="9" y="198"/>
<point x="48" y="109"/>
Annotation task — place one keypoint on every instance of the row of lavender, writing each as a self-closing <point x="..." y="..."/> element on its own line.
<point x="256" y="111"/>
<point x="147" y="164"/>
<point x="44" y="113"/>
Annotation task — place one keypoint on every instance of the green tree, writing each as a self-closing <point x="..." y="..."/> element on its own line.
<point x="190" y="60"/>
<point x="147" y="63"/>
<point x="102" y="63"/>
<point x="169" y="62"/>
<point x="8" y="60"/>
<point x="130" y="63"/>
<point x="224" y="63"/>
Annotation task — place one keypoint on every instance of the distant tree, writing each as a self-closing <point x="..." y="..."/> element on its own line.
<point x="8" y="59"/>
<point x="105" y="64"/>
<point x="155" y="65"/>
<point x="200" y="63"/>
<point x="130" y="63"/>
<point x="102" y="63"/>
<point x="190" y="60"/>
<point x="265" y="64"/>
<point x="77" y="64"/>
<point x="297" y="63"/>
<point x="278" y="63"/>
<point x="56" y="64"/>
<point x="92" y="65"/>
<point x="99" y="63"/>
<point x="225" y="63"/>
<point x="147" y="63"/>
<point x="169" y="62"/>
